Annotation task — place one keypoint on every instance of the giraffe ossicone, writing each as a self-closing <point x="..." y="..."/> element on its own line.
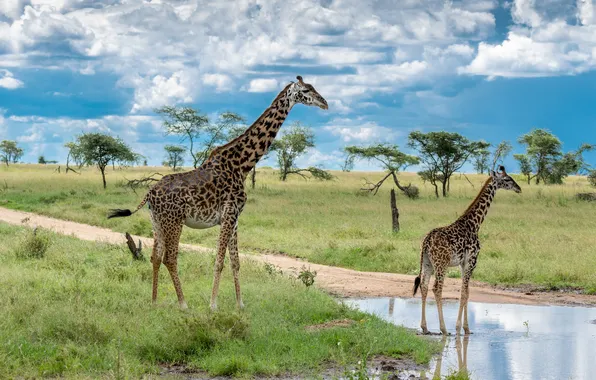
<point x="213" y="194"/>
<point x="457" y="244"/>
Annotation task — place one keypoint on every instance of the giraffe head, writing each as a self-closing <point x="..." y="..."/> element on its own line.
<point x="305" y="93"/>
<point x="504" y="181"/>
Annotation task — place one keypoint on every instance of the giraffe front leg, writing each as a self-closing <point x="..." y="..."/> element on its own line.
<point x="156" y="258"/>
<point x="438" y="291"/>
<point x="227" y="227"/>
<point x="235" y="261"/>
<point x="425" y="278"/>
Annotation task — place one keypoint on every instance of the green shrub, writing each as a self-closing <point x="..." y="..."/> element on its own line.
<point x="34" y="244"/>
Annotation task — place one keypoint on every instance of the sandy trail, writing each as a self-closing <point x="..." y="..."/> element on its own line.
<point x="338" y="281"/>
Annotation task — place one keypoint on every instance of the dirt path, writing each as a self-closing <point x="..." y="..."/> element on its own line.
<point x="338" y="281"/>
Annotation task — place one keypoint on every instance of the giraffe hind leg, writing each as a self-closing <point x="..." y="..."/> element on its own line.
<point x="424" y="280"/>
<point x="170" y="260"/>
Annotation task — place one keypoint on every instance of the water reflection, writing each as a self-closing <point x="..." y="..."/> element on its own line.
<point x="509" y="341"/>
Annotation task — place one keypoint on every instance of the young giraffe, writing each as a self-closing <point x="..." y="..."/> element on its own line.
<point x="214" y="193"/>
<point x="457" y="244"/>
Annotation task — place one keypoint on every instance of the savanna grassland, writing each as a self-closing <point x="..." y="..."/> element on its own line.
<point x="542" y="236"/>
<point x="77" y="309"/>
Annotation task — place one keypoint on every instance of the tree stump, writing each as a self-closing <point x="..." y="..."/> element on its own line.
<point x="136" y="252"/>
<point x="394" y="212"/>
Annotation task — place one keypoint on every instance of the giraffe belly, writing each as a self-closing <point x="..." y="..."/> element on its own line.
<point x="200" y="224"/>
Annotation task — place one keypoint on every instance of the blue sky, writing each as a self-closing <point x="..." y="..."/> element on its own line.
<point x="490" y="70"/>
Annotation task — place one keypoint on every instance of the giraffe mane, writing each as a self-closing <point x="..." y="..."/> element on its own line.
<point x="237" y="139"/>
<point x="475" y="201"/>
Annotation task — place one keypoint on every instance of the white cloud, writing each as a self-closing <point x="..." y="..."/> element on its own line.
<point x="163" y="49"/>
<point x="544" y="43"/>
<point x="359" y="131"/>
<point x="263" y="85"/>
<point x="162" y="90"/>
<point x="8" y="81"/>
<point x="220" y="82"/>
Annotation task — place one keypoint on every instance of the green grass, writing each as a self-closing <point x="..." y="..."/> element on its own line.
<point x="542" y="236"/>
<point x="84" y="310"/>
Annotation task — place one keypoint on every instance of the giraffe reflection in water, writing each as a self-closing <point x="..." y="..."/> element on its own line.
<point x="461" y="346"/>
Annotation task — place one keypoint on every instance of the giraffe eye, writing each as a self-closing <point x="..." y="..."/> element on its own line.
<point x="306" y="91"/>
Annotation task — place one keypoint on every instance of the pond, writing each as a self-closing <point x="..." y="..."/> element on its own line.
<point x="508" y="341"/>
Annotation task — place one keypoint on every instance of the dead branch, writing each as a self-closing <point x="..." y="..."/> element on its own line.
<point x="374" y="187"/>
<point x="136" y="252"/>
<point x="134" y="184"/>
<point x="470" y="182"/>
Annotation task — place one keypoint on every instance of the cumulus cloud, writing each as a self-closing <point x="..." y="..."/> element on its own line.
<point x="359" y="131"/>
<point x="8" y="81"/>
<point x="159" y="48"/>
<point x="263" y="85"/>
<point x="546" y="41"/>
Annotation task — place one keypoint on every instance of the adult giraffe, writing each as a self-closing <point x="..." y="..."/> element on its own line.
<point x="214" y="193"/>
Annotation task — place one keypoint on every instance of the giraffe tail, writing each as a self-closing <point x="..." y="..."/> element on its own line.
<point x="417" y="279"/>
<point x="118" y="213"/>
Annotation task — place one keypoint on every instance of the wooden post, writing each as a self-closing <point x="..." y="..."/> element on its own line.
<point x="394" y="212"/>
<point x="136" y="251"/>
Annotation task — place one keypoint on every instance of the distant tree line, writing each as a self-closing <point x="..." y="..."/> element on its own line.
<point x="441" y="154"/>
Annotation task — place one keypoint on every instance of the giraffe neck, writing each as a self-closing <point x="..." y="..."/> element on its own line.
<point x="247" y="149"/>
<point x="476" y="212"/>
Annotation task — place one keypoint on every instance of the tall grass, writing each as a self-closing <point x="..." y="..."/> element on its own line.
<point x="84" y="311"/>
<point x="542" y="236"/>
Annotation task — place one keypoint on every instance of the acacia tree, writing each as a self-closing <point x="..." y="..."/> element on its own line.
<point x="542" y="150"/>
<point x="74" y="153"/>
<point x="481" y="159"/>
<point x="391" y="159"/>
<point x="442" y="154"/>
<point x="10" y="152"/>
<point x="293" y="143"/>
<point x="194" y="127"/>
<point x="174" y="156"/>
<point x="101" y="149"/>
<point x="544" y="159"/>
<point x="525" y="166"/>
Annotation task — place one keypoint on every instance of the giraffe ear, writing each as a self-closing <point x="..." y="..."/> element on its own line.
<point x="492" y="173"/>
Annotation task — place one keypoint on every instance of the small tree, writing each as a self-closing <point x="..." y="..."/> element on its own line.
<point x="525" y="166"/>
<point x="10" y="152"/>
<point x="481" y="161"/>
<point x="193" y="126"/>
<point x="500" y="153"/>
<point x="41" y="160"/>
<point x="74" y="153"/>
<point x="542" y="149"/>
<point x="443" y="153"/>
<point x="174" y="156"/>
<point x="391" y="159"/>
<point x="100" y="149"/>
<point x="293" y="143"/>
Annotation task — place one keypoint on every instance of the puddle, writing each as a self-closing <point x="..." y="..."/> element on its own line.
<point x="508" y="341"/>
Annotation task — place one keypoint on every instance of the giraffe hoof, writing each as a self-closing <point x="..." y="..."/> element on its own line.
<point x="241" y="305"/>
<point x="183" y="306"/>
<point x="213" y="306"/>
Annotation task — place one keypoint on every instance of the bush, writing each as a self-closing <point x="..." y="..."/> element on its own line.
<point x="34" y="245"/>
<point x="592" y="177"/>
